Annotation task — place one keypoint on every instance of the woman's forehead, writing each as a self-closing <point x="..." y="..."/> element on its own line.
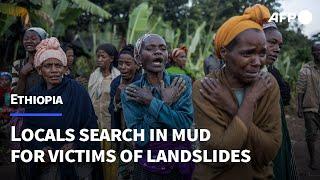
<point x="273" y="31"/>
<point x="30" y="33"/>
<point x="251" y="37"/>
<point x="101" y="51"/>
<point x="125" y="56"/>
<point x="154" y="39"/>
<point x="52" y="61"/>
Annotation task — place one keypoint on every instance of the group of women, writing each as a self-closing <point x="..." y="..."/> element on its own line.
<point x="240" y="103"/>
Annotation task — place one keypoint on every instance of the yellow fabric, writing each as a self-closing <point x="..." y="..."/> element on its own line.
<point x="253" y="18"/>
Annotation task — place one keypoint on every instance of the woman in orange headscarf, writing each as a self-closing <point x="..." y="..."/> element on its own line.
<point x="239" y="104"/>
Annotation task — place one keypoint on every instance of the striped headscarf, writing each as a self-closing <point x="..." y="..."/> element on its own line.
<point x="139" y="42"/>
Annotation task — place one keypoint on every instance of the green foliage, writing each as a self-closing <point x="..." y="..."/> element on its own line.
<point x="165" y="29"/>
<point x="81" y="67"/>
<point x="5" y="23"/>
<point x="195" y="66"/>
<point x="179" y="23"/>
<point x="138" y="22"/>
<point x="12" y="9"/>
<point x="92" y="8"/>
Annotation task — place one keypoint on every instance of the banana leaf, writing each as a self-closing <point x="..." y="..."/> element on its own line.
<point x="14" y="10"/>
<point x="196" y="39"/>
<point x="154" y="26"/>
<point x="164" y="29"/>
<point x="177" y="38"/>
<point x="60" y="8"/>
<point x="5" y="23"/>
<point x="69" y="18"/>
<point x="92" y="8"/>
<point x="138" y="22"/>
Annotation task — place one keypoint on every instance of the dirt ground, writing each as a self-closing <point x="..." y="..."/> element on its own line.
<point x="297" y="130"/>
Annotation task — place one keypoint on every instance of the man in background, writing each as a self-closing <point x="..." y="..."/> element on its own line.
<point x="308" y="89"/>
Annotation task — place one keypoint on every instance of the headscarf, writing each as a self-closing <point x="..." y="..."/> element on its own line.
<point x="175" y="53"/>
<point x="269" y="25"/>
<point x="49" y="48"/>
<point x="6" y="74"/>
<point x="41" y="32"/>
<point x="139" y="42"/>
<point x="253" y="18"/>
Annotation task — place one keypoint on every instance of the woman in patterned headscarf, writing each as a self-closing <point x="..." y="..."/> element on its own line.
<point x="158" y="101"/>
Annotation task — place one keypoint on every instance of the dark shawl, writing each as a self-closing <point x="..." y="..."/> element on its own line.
<point x="77" y="113"/>
<point x="116" y="116"/>
<point x="284" y="86"/>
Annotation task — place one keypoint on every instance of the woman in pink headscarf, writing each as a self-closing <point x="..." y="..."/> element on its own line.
<point x="77" y="113"/>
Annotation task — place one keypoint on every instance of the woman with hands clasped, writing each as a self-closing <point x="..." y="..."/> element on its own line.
<point x="158" y="101"/>
<point x="239" y="104"/>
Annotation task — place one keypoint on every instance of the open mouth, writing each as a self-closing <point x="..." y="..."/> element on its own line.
<point x="29" y="45"/>
<point x="99" y="64"/>
<point x="125" y="74"/>
<point x="252" y="74"/>
<point x="158" y="61"/>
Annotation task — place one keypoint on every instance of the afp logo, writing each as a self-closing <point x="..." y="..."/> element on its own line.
<point x="304" y="17"/>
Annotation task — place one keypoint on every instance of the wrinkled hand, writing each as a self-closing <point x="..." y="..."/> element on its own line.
<point x="26" y="69"/>
<point x="258" y="88"/>
<point x="218" y="95"/>
<point x="140" y="95"/>
<point x="172" y="93"/>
